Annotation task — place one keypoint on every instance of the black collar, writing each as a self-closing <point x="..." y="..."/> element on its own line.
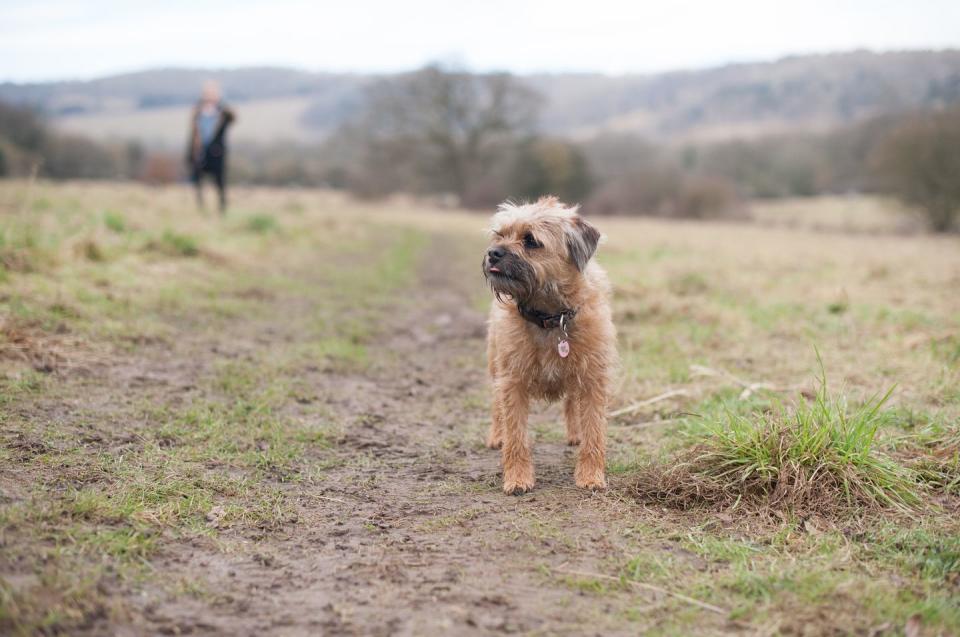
<point x="544" y="320"/>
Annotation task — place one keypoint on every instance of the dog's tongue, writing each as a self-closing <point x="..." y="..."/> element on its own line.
<point x="495" y="269"/>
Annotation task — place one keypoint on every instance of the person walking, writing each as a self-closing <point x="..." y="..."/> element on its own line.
<point x="207" y="148"/>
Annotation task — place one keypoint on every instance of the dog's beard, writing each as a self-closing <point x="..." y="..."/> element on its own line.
<point x="516" y="280"/>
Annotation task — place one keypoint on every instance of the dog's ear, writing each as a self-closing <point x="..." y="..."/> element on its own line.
<point x="582" y="239"/>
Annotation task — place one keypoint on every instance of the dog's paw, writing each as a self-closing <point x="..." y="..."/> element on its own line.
<point x="593" y="480"/>
<point x="516" y="483"/>
<point x="517" y="488"/>
<point x="494" y="443"/>
<point x="573" y="441"/>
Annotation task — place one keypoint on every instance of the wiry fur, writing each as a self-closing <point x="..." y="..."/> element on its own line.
<point x="523" y="360"/>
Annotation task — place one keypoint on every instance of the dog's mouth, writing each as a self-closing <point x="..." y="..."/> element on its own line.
<point x="497" y="270"/>
<point x="508" y="276"/>
<point x="495" y="274"/>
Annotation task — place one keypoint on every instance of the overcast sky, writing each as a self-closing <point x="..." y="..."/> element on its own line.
<point x="58" y="39"/>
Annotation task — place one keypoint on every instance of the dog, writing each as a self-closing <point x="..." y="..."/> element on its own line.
<point x="550" y="336"/>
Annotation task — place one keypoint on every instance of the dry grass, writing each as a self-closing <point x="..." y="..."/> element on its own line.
<point x="262" y="121"/>
<point x="853" y="214"/>
<point x="934" y="454"/>
<point x="97" y="490"/>
<point x="96" y="481"/>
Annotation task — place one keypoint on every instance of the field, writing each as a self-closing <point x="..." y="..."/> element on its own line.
<point x="272" y="120"/>
<point x="274" y="422"/>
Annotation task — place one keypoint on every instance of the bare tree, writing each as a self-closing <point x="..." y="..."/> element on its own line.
<point x="919" y="162"/>
<point x="437" y="130"/>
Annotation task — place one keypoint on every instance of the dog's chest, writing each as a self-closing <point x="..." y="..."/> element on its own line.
<point x="551" y="373"/>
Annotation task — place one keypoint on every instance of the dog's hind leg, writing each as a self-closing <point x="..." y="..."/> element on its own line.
<point x="571" y="412"/>
<point x="514" y="405"/>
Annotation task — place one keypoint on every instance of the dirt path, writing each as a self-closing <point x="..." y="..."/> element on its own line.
<point x="411" y="534"/>
<point x="400" y="527"/>
<point x="274" y="424"/>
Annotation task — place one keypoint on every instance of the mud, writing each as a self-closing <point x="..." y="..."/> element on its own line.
<point x="408" y="533"/>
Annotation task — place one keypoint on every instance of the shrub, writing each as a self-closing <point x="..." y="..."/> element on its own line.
<point x="549" y="167"/>
<point x="72" y="157"/>
<point x="160" y="169"/>
<point x="664" y="191"/>
<point x="919" y="162"/>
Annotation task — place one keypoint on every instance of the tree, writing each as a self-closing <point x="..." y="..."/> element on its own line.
<point x="23" y="127"/>
<point x="919" y="162"/>
<point x="439" y="131"/>
<point x="27" y="144"/>
<point x="549" y="167"/>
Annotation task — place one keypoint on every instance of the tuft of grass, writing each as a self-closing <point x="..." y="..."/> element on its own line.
<point x="817" y="456"/>
<point x="261" y="223"/>
<point x="947" y="349"/>
<point x="838" y="307"/>
<point x="115" y="222"/>
<point x="688" y="284"/>
<point x="19" y="248"/>
<point x="90" y="250"/>
<point x="175" y="244"/>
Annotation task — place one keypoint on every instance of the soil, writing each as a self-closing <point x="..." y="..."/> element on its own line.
<point x="409" y="533"/>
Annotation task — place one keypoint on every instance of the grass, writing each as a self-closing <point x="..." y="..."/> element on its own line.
<point x="176" y="244"/>
<point x="214" y="467"/>
<point x="813" y="456"/>
<point x="115" y="222"/>
<point x="933" y="453"/>
<point x="261" y="223"/>
<point x="800" y="510"/>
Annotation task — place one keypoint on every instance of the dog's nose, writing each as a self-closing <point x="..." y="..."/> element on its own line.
<point x="495" y="254"/>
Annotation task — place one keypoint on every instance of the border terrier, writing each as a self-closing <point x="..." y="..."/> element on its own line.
<point x="551" y="335"/>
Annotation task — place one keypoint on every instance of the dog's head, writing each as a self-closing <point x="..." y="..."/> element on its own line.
<point x="538" y="249"/>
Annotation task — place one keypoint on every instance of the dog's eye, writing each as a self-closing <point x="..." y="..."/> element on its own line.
<point x="529" y="241"/>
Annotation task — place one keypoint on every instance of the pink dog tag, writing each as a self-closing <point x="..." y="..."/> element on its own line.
<point x="563" y="348"/>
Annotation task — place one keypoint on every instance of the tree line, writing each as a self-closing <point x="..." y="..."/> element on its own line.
<point x="474" y="139"/>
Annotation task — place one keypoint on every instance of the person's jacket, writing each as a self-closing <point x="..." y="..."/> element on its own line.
<point x="211" y="155"/>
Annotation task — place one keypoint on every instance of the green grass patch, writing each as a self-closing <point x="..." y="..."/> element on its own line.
<point x="261" y="223"/>
<point x="115" y="222"/>
<point x="818" y="455"/>
<point x="946" y="349"/>
<point x="20" y="249"/>
<point x="175" y="244"/>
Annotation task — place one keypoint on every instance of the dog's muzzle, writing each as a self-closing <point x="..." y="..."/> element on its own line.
<point x="493" y="260"/>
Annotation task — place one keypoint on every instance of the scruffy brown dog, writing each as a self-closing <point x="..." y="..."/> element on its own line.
<point x="551" y="335"/>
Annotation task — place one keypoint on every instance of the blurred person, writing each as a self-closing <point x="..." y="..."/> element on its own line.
<point x="207" y="148"/>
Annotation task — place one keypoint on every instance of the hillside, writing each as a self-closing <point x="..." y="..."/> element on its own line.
<point x="735" y="101"/>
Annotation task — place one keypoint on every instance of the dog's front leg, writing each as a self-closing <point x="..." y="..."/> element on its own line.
<point x="514" y="404"/>
<point x="571" y="412"/>
<point x="591" y="462"/>
<point x="495" y="436"/>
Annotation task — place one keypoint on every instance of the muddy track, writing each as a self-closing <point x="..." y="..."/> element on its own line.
<point x="408" y="533"/>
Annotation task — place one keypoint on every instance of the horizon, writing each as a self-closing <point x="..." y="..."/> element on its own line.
<point x="60" y="41"/>
<point x="322" y="71"/>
